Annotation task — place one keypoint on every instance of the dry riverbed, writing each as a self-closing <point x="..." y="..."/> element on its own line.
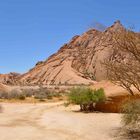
<point x="52" y="121"/>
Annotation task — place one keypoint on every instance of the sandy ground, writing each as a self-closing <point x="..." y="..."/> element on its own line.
<point x="52" y="121"/>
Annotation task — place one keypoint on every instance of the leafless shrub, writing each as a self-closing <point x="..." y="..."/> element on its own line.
<point x="14" y="94"/>
<point x="29" y="92"/>
<point x="123" y="65"/>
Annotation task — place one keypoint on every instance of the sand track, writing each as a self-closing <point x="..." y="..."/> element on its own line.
<point x="52" y="121"/>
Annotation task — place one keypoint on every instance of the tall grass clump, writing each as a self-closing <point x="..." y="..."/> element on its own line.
<point x="86" y="97"/>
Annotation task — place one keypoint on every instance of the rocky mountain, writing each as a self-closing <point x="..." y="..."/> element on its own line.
<point x="11" y="78"/>
<point x="76" y="62"/>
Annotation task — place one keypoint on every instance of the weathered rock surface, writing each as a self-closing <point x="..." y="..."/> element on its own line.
<point x="77" y="62"/>
<point x="11" y="78"/>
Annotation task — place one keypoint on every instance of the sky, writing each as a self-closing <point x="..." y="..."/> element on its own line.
<point x="32" y="30"/>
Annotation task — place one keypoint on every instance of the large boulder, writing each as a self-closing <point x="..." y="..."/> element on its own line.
<point x="115" y="95"/>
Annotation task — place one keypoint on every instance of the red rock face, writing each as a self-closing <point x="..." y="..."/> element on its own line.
<point x="77" y="62"/>
<point x="11" y="78"/>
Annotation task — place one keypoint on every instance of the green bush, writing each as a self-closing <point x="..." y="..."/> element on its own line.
<point x="131" y="117"/>
<point x="86" y="97"/>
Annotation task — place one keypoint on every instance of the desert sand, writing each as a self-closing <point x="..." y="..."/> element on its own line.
<point x="52" y="121"/>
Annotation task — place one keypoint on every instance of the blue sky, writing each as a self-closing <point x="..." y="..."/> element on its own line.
<point x="31" y="30"/>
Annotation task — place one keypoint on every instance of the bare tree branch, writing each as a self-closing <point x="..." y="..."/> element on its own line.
<point x="123" y="65"/>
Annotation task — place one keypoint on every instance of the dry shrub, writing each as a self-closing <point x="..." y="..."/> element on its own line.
<point x="131" y="118"/>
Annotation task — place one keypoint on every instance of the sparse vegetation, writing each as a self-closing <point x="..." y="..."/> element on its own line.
<point x="41" y="94"/>
<point x="3" y="95"/>
<point x="86" y="97"/>
<point x="44" y="93"/>
<point x="131" y="118"/>
<point x="14" y="94"/>
<point x="28" y="92"/>
<point x="1" y="108"/>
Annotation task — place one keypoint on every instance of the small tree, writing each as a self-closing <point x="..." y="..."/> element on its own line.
<point x="123" y="65"/>
<point x="86" y="97"/>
